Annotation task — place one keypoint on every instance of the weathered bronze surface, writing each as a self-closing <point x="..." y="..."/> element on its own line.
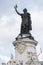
<point x="26" y="21"/>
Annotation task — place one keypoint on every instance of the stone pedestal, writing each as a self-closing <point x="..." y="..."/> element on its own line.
<point x="25" y="52"/>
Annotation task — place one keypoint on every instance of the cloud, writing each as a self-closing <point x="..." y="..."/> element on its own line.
<point x="8" y="25"/>
<point x="4" y="58"/>
<point x="37" y="22"/>
<point x="1" y="48"/>
<point x="41" y="57"/>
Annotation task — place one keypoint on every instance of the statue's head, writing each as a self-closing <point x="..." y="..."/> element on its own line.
<point x="24" y="10"/>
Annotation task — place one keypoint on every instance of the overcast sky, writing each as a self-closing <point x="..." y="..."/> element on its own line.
<point x="10" y="23"/>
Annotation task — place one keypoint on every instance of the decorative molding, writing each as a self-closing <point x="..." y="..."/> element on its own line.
<point x="20" y="47"/>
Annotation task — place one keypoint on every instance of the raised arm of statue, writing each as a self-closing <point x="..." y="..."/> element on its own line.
<point x="16" y="10"/>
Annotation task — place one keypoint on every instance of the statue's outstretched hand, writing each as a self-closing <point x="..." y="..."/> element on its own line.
<point x="16" y="9"/>
<point x="15" y="6"/>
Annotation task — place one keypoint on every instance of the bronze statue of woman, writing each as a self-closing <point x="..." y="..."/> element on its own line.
<point x="26" y="21"/>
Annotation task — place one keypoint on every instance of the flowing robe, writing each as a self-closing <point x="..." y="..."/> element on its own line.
<point x="26" y="23"/>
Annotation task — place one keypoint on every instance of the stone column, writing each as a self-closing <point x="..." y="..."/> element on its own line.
<point x="25" y="52"/>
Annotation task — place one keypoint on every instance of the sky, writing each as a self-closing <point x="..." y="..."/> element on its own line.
<point x="10" y="23"/>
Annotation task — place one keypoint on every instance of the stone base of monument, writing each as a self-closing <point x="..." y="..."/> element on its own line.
<point x="25" y="52"/>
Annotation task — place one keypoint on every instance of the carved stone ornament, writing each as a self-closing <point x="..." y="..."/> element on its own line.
<point x="20" y="47"/>
<point x="32" y="59"/>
